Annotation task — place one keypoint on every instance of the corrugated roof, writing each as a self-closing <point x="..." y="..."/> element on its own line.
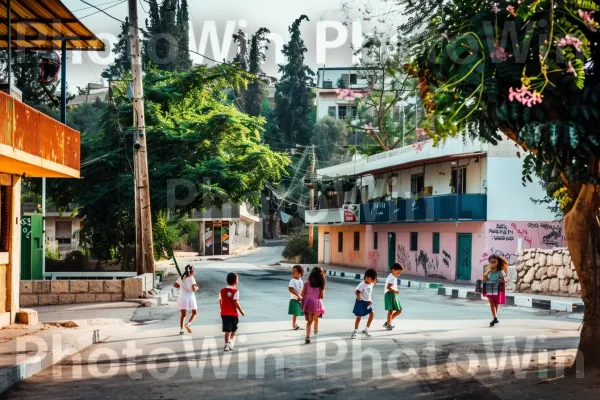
<point x="42" y="25"/>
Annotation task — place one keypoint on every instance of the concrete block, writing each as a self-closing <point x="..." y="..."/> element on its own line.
<point x="85" y="298"/>
<point x="26" y="287"/>
<point x="41" y="287"/>
<point x="357" y="276"/>
<point x="58" y="287"/>
<point x="28" y="300"/>
<point x="47" y="299"/>
<point x="103" y="298"/>
<point x="113" y="286"/>
<point x="561" y="306"/>
<point x="133" y="288"/>
<point x="522" y="301"/>
<point x="541" y="304"/>
<point x="510" y="300"/>
<point x="578" y="307"/>
<point x="455" y="293"/>
<point x="27" y="317"/>
<point x="66" y="298"/>
<point x="96" y="287"/>
<point x="79" y="286"/>
<point x="343" y="274"/>
<point x="116" y="297"/>
<point x="474" y="296"/>
<point x="442" y="291"/>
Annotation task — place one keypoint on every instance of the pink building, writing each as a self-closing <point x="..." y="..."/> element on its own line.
<point x="439" y="211"/>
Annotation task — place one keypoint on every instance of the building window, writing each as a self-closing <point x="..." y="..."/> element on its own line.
<point x="375" y="241"/>
<point x="347" y="111"/>
<point x="340" y="242"/>
<point x="353" y="79"/>
<point x="459" y="180"/>
<point x="356" y="241"/>
<point x="417" y="183"/>
<point x="331" y="110"/>
<point x="436" y="243"/>
<point x="63" y="232"/>
<point x="327" y="85"/>
<point x="4" y="218"/>
<point x="414" y="238"/>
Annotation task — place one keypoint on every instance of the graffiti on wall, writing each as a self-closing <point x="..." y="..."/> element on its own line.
<point x="373" y="257"/>
<point x="501" y="233"/>
<point x="353" y="256"/>
<point x="421" y="259"/>
<point x="510" y="257"/>
<point x="554" y="237"/>
<point x="447" y="258"/>
<point x="522" y="233"/>
<point x="403" y="257"/>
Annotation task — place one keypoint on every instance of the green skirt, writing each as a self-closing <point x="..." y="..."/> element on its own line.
<point x="392" y="302"/>
<point x="295" y="308"/>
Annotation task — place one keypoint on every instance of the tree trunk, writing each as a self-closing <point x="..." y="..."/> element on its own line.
<point x="583" y="237"/>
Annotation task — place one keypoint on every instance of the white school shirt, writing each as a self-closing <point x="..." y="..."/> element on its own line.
<point x="393" y="280"/>
<point x="298" y="285"/>
<point x="365" y="290"/>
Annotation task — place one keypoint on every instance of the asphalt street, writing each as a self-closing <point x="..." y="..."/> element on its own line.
<point x="440" y="348"/>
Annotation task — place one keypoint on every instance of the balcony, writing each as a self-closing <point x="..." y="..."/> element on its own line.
<point x="348" y="215"/>
<point x="451" y="207"/>
<point x="34" y="144"/>
<point x="375" y="213"/>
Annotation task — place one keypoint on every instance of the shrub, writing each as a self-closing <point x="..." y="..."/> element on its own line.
<point x="297" y="245"/>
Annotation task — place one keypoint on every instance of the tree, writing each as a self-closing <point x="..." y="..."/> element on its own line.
<point x="382" y="66"/>
<point x="330" y="138"/>
<point x="254" y="95"/>
<point x="121" y="49"/>
<point x="294" y="96"/>
<point x="194" y="135"/>
<point x="184" y="60"/>
<point x="541" y="91"/>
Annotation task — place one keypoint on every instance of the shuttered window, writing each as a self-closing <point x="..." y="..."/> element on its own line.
<point x="4" y="218"/>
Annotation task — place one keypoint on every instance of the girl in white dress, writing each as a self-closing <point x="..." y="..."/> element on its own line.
<point x="187" y="297"/>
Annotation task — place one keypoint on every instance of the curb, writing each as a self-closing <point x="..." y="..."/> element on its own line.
<point x="518" y="301"/>
<point x="36" y="363"/>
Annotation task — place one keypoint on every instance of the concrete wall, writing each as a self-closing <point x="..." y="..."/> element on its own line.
<point x="51" y="229"/>
<point x="10" y="269"/>
<point x="348" y="256"/>
<point x="41" y="293"/>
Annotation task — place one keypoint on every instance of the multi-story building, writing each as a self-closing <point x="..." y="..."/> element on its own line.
<point x="439" y="211"/>
<point x="329" y="82"/>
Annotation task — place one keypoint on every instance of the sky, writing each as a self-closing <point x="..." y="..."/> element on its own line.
<point x="334" y="26"/>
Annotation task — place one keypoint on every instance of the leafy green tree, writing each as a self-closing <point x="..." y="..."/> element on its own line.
<point x="294" y="96"/>
<point x="255" y="92"/>
<point x="121" y="49"/>
<point x="485" y="67"/>
<point x="330" y="138"/>
<point x="184" y="61"/>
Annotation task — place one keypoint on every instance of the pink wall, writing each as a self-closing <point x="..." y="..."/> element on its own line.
<point x="503" y="238"/>
<point x="423" y="262"/>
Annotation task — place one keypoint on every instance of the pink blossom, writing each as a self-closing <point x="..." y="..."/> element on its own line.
<point x="511" y="11"/>
<point x="588" y="18"/>
<point x="570" y="41"/>
<point x="368" y="128"/>
<point x="445" y="35"/>
<point x="500" y="54"/>
<point x="525" y="96"/>
<point x="495" y="10"/>
<point x="571" y="70"/>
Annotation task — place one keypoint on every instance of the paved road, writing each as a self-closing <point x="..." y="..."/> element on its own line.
<point x="437" y="343"/>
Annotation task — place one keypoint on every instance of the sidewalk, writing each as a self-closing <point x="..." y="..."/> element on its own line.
<point x="26" y="350"/>
<point x="462" y="290"/>
<point x="169" y="266"/>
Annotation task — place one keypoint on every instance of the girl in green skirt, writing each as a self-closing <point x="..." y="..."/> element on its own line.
<point x="392" y="296"/>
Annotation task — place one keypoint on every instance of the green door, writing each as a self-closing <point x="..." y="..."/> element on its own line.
<point x="31" y="247"/>
<point x="463" y="261"/>
<point x="391" y="249"/>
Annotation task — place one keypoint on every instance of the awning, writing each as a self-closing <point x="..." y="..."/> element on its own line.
<point x="43" y="25"/>
<point x="427" y="161"/>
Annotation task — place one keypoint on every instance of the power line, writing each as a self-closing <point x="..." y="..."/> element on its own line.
<point x="99" y="5"/>
<point x="102" y="10"/>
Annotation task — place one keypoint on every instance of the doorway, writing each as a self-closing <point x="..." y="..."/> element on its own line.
<point x="463" y="261"/>
<point x="326" y="248"/>
<point x="391" y="249"/>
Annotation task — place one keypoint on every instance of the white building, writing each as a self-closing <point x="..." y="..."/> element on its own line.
<point x="328" y="83"/>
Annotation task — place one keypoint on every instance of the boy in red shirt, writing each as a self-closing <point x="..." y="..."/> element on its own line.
<point x="229" y="301"/>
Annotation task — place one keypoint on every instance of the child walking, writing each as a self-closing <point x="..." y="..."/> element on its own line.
<point x="392" y="296"/>
<point x="494" y="278"/>
<point x="229" y="301"/>
<point x="295" y="288"/>
<point x="187" y="298"/>
<point x="363" y="305"/>
<point x="312" y="299"/>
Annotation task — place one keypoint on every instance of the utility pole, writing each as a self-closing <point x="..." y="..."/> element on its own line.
<point x="143" y="218"/>
<point x="311" y="192"/>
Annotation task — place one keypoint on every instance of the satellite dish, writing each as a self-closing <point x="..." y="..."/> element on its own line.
<point x="50" y="66"/>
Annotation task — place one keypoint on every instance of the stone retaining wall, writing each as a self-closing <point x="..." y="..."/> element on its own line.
<point x="43" y="293"/>
<point x="547" y="272"/>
